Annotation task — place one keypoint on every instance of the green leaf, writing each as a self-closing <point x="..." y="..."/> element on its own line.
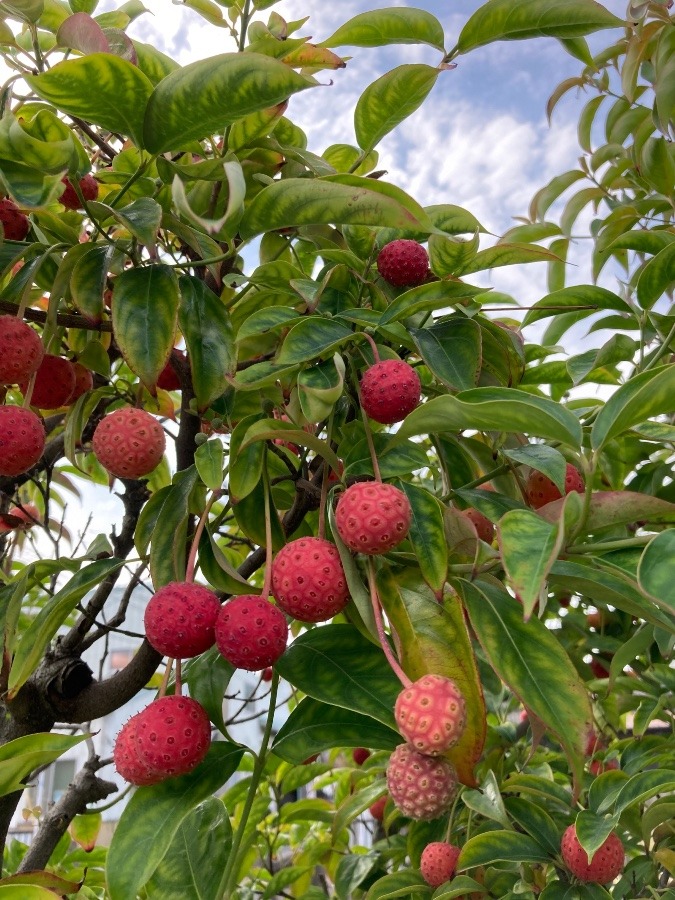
<point x="313" y="727"/>
<point x="611" y="508"/>
<point x="103" y="89"/>
<point x="204" y="97"/>
<point x="534" y="819"/>
<point x="531" y="661"/>
<point x="492" y="505"/>
<point x="584" y="298"/>
<point x="264" y="321"/>
<point x="656" y="571"/>
<point x="334" y="200"/>
<point x="88" y="280"/>
<point x="209" y="463"/>
<point x="320" y="387"/>
<point x="169" y="535"/>
<point x="43" y="142"/>
<point x="427" y="535"/>
<point x="20" y="757"/>
<point x="195" y="859"/>
<point x="459" y="888"/>
<point x="208" y="333"/>
<point x="434" y="638"/>
<point x="593" y="830"/>
<point x="435" y="295"/>
<point x="313" y="337"/>
<point x="28" y="186"/>
<point x="617" y="349"/>
<point x="337" y="665"/>
<point x="494" y="409"/>
<point x="352" y="869"/>
<point x="271" y="429"/>
<point x="657" y="277"/>
<point x="392" y="25"/>
<point x="35" y="639"/>
<point x="500" y="846"/>
<point x="153" y="816"/>
<point x="501" y="20"/>
<point x="542" y="458"/>
<point x="648" y="394"/>
<point x="452" y="350"/>
<point x="388" y="101"/>
<point x="643" y="786"/>
<point x="506" y="255"/>
<point x="207" y="677"/>
<point x="154" y="64"/>
<point x="85" y="829"/>
<point x="25" y="892"/>
<point x="487" y="801"/>
<point x="145" y="316"/>
<point x="406" y="883"/>
<point x="529" y="546"/>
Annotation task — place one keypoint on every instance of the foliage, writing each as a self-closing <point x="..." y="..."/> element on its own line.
<point x="216" y="228"/>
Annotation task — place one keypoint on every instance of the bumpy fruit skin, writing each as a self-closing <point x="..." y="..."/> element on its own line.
<point x="390" y="390"/>
<point x="438" y="862"/>
<point x="431" y="714"/>
<point x="84" y="381"/>
<point x="168" y="379"/>
<point x="376" y="809"/>
<point x="127" y="761"/>
<point x="251" y="633"/>
<point x="88" y="186"/>
<point x="308" y="581"/>
<point x="20" y="518"/>
<point x="180" y="620"/>
<point x="605" y="865"/>
<point x="403" y="263"/>
<point x="540" y="490"/>
<point x="360" y="755"/>
<point x="422" y="787"/>
<point x="484" y="527"/>
<point x="372" y="517"/>
<point x="54" y="383"/>
<point x="267" y="674"/>
<point x="129" y="443"/>
<point x="22" y="440"/>
<point x="173" y="735"/>
<point x="15" y="224"/>
<point x="21" y="350"/>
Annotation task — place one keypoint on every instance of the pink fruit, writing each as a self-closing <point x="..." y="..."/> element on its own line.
<point x="173" y="735"/>
<point x="540" y="490"/>
<point x="308" y="581"/>
<point x="15" y="224"/>
<point x="251" y="633"/>
<point x="127" y="761"/>
<point x="84" y="381"/>
<point x="484" y="527"/>
<point x="431" y="714"/>
<point x="376" y="809"/>
<point x="360" y="755"/>
<point x="129" y="442"/>
<point x="422" y="787"/>
<point x="54" y="383"/>
<point x="372" y="517"/>
<point x="403" y="263"/>
<point x="88" y="186"/>
<point x="390" y="390"/>
<point x="267" y="674"/>
<point x="180" y="620"/>
<point x="22" y="440"/>
<point x="605" y="865"/>
<point x="20" y="518"/>
<point x="438" y="862"/>
<point x="21" y="350"/>
<point x="598" y="766"/>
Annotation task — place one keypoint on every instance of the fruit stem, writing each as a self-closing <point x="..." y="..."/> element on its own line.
<point x="29" y="391"/>
<point x="324" y="481"/>
<point x="373" y="346"/>
<point x="377" y="612"/>
<point x="179" y="678"/>
<point x="226" y="886"/>
<point x="167" y="674"/>
<point x="192" y="558"/>
<point x="267" y="583"/>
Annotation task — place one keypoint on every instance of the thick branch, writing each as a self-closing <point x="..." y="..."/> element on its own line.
<point x="86" y="788"/>
<point x="69" y="320"/>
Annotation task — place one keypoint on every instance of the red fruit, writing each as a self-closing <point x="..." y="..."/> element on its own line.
<point x="88" y="186"/>
<point x="390" y="390"/>
<point x="377" y="808"/>
<point x="84" y="381"/>
<point x="599" y="669"/>
<point x="540" y="490"/>
<point x="173" y="735"/>
<point x="21" y="350"/>
<point x="180" y="620"/>
<point x="129" y="442"/>
<point x="484" y="527"/>
<point x="22" y="440"/>
<point x="54" y="383"/>
<point x="605" y="865"/>
<point x="267" y="674"/>
<point x="15" y="224"/>
<point x="438" y="863"/>
<point x="598" y="766"/>
<point x="403" y="263"/>
<point x="251" y="633"/>
<point x="310" y="760"/>
<point x="20" y="518"/>
<point x="360" y="755"/>
<point x="594" y="742"/>
<point x="421" y="787"/>
<point x="431" y="714"/>
<point x="127" y="761"/>
<point x="372" y="517"/>
<point x="308" y="581"/>
<point x="168" y="379"/>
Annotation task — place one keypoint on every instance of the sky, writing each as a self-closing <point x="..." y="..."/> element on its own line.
<point x="481" y="140"/>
